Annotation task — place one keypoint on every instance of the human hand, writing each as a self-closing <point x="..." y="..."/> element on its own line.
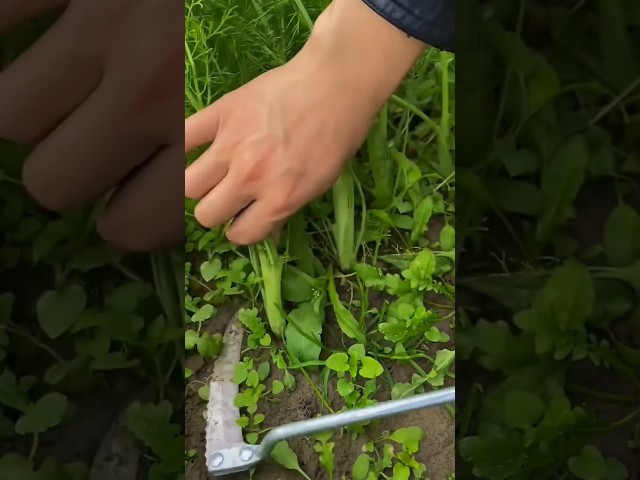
<point x="100" y="96"/>
<point x="282" y="140"/>
<point x="278" y="142"/>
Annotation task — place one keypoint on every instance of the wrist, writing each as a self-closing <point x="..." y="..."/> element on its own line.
<point x="358" y="49"/>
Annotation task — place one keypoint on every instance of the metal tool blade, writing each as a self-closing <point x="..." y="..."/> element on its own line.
<point x="222" y="431"/>
<point x="246" y="457"/>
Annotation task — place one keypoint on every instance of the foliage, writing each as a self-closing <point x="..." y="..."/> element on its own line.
<point x="548" y="224"/>
<point x="386" y="230"/>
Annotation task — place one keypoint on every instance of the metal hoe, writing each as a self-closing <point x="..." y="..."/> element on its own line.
<point x="227" y="453"/>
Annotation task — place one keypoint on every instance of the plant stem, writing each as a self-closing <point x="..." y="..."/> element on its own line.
<point x="34" y="447"/>
<point x="35" y="341"/>
<point x="605" y="396"/>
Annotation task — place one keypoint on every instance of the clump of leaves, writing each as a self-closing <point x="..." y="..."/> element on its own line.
<point x="400" y="464"/>
<point x="348" y="367"/>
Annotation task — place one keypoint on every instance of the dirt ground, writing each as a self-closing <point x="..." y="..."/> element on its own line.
<point x="437" y="452"/>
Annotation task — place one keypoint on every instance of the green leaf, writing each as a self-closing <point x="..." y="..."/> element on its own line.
<point x="151" y="424"/>
<point x="345" y="387"/>
<point x="522" y="409"/>
<point x="277" y="387"/>
<point x="127" y="298"/>
<point x="444" y="359"/>
<point x="589" y="465"/>
<point x="112" y="361"/>
<point x="240" y="373"/>
<point x="15" y="467"/>
<point x="263" y="371"/>
<point x="409" y="438"/>
<point x="617" y="50"/>
<point x="253" y="379"/>
<point x="204" y="391"/>
<point x="516" y="54"/>
<point x="622" y="236"/>
<point x="338" y="362"/>
<point x="542" y="85"/>
<point x="190" y="339"/>
<point x="493" y="457"/>
<point x="310" y="320"/>
<point x="357" y="351"/>
<point x="435" y="335"/>
<point x="516" y="196"/>
<point x="297" y="286"/>
<point x="348" y="324"/>
<point x="210" y="269"/>
<point x="401" y="472"/>
<point x="46" y="413"/>
<point x="615" y="469"/>
<point x="570" y="290"/>
<point x="361" y="467"/>
<point x="520" y="162"/>
<point x="371" y="368"/>
<point x="448" y="238"/>
<point x="284" y="456"/>
<point x="209" y="346"/>
<point x="629" y="275"/>
<point x="58" y="371"/>
<point x="289" y="381"/>
<point x="10" y="393"/>
<point x="52" y="234"/>
<point x="204" y="313"/>
<point x="371" y="276"/>
<point x="421" y="216"/>
<point x="561" y="180"/>
<point x="59" y="310"/>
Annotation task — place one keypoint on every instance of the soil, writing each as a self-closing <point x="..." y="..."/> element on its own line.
<point x="437" y="451"/>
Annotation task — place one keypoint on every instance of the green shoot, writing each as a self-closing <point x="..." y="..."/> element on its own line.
<point x="269" y="267"/>
<point x="344" y="225"/>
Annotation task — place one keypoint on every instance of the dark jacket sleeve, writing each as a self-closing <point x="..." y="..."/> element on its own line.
<point x="432" y="21"/>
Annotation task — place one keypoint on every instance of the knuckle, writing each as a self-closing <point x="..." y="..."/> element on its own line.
<point x="284" y="200"/>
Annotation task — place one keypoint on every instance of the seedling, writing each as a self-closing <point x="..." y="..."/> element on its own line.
<point x="351" y="366"/>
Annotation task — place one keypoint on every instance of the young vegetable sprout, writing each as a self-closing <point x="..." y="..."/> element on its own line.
<point x="269" y="266"/>
<point x="344" y="225"/>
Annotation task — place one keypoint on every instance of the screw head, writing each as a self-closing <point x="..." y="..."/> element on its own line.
<point x="217" y="459"/>
<point x="246" y="454"/>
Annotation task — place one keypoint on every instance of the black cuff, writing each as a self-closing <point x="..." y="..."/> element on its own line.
<point x="430" y="21"/>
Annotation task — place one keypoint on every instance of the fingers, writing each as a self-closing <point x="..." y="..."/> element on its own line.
<point x="147" y="212"/>
<point x="225" y="201"/>
<point x="255" y="224"/>
<point x="204" y="174"/>
<point x="12" y="12"/>
<point x="89" y="153"/>
<point x="46" y="83"/>
<point x="201" y="127"/>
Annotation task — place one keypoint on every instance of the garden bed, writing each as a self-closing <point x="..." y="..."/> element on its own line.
<point x="366" y="320"/>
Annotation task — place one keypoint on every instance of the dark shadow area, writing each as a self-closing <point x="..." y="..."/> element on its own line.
<point x="548" y="164"/>
<point x="91" y="353"/>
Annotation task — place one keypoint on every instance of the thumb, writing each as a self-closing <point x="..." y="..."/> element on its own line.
<point x="202" y="127"/>
<point x="12" y="12"/>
